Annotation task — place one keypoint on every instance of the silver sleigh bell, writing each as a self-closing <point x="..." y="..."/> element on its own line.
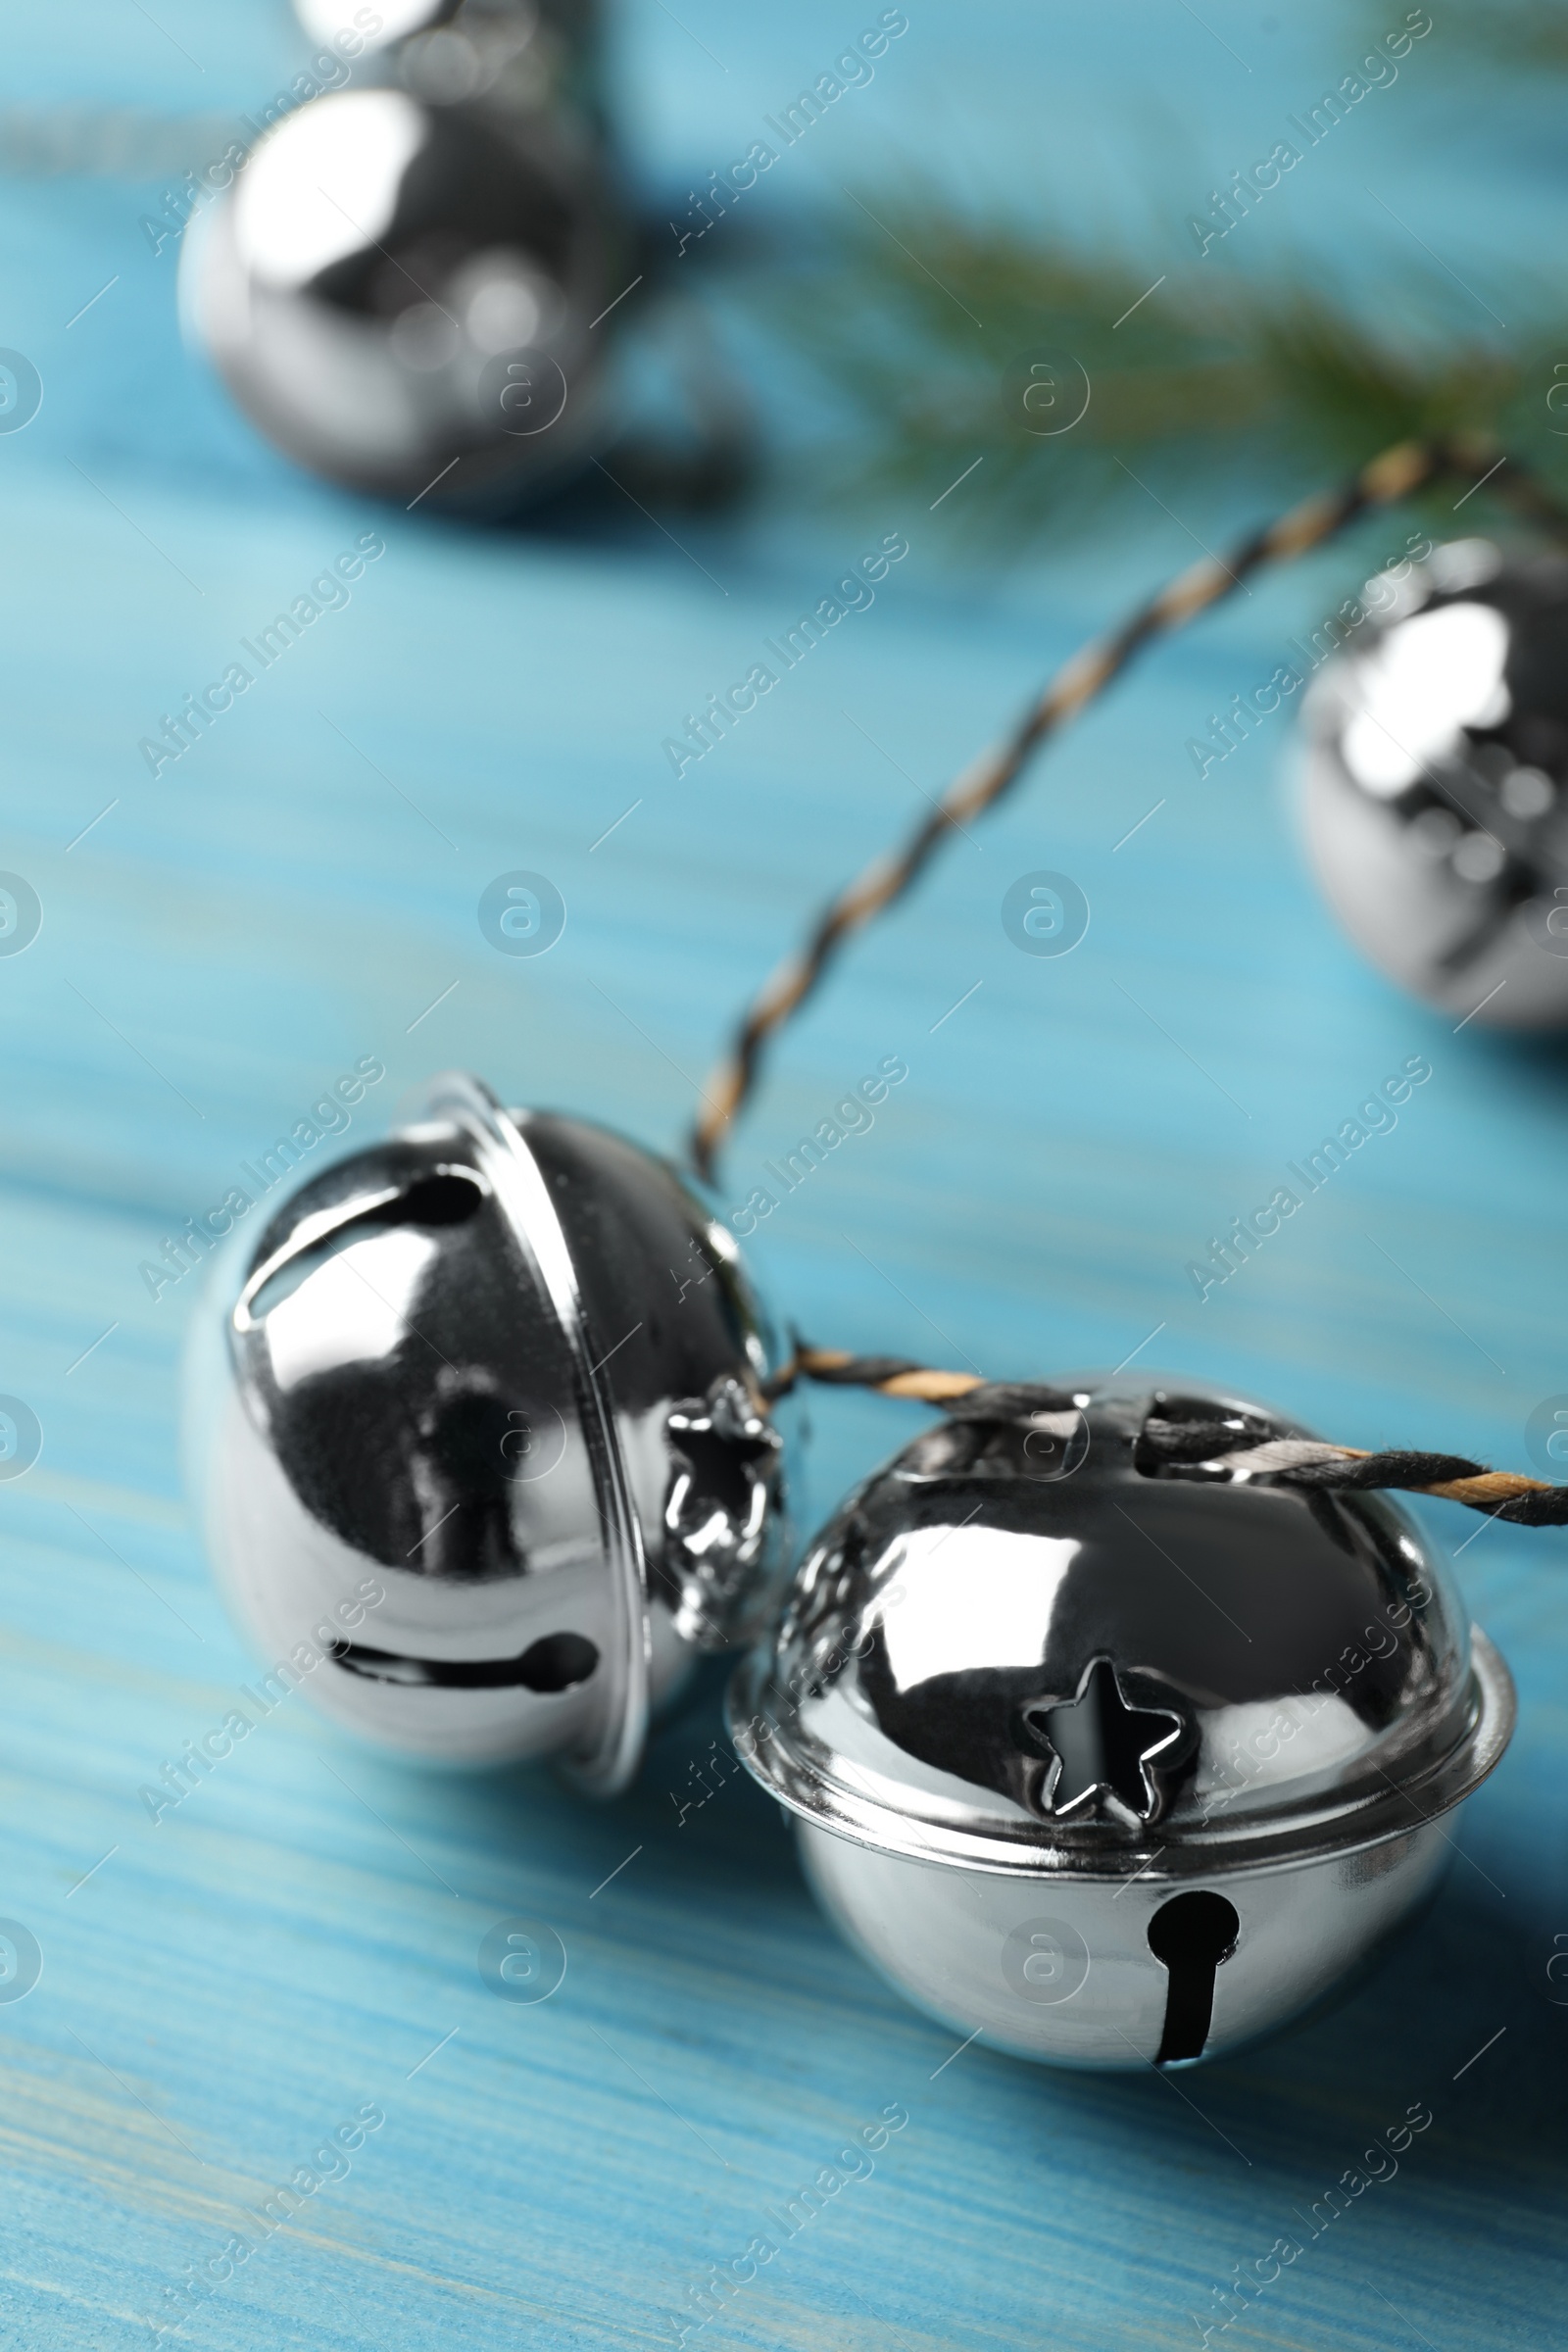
<point x="480" y="1419"/>
<point x="1111" y="1761"/>
<point x="1435" y="793"/>
<point x="401" y="284"/>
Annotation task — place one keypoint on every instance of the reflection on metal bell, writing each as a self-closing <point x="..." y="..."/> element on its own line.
<point x="401" y="284"/>
<point x="1435" y="797"/>
<point x="1111" y="1761"/>
<point x="480" y="1422"/>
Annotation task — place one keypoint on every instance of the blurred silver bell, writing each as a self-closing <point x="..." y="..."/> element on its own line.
<point x="1111" y="1763"/>
<point x="478" y="1434"/>
<point x="1436" y="798"/>
<point x="401" y="284"/>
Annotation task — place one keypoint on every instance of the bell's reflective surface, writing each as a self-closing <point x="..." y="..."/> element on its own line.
<point x="1114" y="1761"/>
<point x="479" y="1439"/>
<point x="1436" y="800"/>
<point x="403" y="281"/>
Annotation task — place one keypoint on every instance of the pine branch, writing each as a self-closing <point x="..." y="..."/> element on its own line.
<point x="921" y="324"/>
<point x="1503" y="34"/>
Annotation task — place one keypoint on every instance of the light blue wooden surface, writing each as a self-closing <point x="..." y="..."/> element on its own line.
<point x="292" y="1942"/>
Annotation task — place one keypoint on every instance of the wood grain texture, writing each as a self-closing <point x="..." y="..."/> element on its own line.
<point x="297" y="1937"/>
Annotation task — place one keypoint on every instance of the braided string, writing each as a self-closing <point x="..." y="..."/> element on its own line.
<point x="1351" y="1469"/>
<point x="1408" y="466"/>
<point x="1162" y="1445"/>
<point x="1210" y="1444"/>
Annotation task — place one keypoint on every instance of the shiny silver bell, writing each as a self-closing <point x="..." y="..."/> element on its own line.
<point x="478" y="1432"/>
<point x="1435" y="796"/>
<point x="1111" y="1762"/>
<point x="401" y="286"/>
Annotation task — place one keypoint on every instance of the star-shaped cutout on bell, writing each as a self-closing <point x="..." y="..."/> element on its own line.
<point x="1104" y="1746"/>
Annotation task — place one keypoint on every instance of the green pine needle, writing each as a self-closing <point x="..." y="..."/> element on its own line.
<point x="1503" y="33"/>
<point x="923" y="323"/>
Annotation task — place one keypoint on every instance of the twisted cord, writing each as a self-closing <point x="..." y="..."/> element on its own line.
<point x="1209" y="1444"/>
<point x="1407" y="467"/>
<point x="889" y="1375"/>
<point x="1162" y="1445"/>
<point x="1350" y="1469"/>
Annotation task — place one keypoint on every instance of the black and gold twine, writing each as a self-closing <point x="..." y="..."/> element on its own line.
<point x="1409" y="466"/>
<point x="1164" y="1444"/>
